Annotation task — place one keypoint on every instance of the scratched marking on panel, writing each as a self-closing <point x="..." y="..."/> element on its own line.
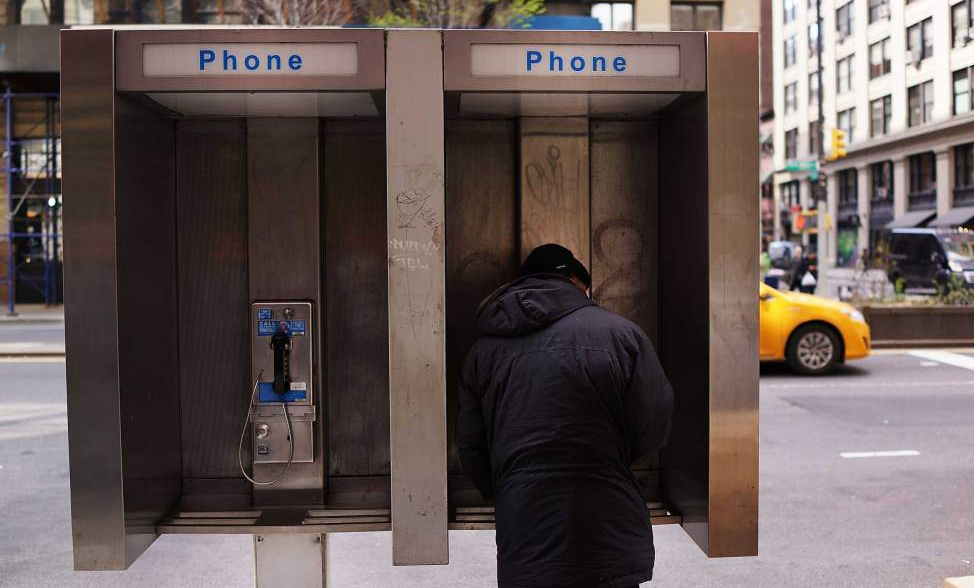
<point x="624" y="220"/>
<point x="555" y="184"/>
<point x="619" y="245"/>
<point x="546" y="182"/>
<point x="419" y="227"/>
<point x="412" y="255"/>
<point x="546" y="179"/>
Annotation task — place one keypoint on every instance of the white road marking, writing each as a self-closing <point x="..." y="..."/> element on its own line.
<point x="947" y="357"/>
<point x="906" y="351"/>
<point x="843" y="384"/>
<point x="38" y="359"/>
<point x="929" y="363"/>
<point x="31" y="347"/>
<point x="23" y="420"/>
<point x="861" y="454"/>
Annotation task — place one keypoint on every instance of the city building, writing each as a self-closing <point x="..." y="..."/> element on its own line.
<point x="896" y="79"/>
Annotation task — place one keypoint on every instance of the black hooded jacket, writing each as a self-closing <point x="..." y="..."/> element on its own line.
<point x="557" y="397"/>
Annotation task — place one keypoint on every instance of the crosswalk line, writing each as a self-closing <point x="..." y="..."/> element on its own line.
<point x="945" y="357"/>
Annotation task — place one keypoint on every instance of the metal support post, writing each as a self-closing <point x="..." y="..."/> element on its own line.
<point x="417" y="292"/>
<point x="294" y="560"/>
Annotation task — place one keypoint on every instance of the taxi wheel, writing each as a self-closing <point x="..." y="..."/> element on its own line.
<point x="813" y="350"/>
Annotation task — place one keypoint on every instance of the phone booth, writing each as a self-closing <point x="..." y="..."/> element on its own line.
<point x="276" y="240"/>
<point x="638" y="151"/>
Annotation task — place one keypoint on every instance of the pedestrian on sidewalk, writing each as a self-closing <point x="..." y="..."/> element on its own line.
<point x="557" y="398"/>
<point x="805" y="278"/>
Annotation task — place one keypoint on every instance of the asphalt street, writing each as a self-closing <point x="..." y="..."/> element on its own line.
<point x="903" y="519"/>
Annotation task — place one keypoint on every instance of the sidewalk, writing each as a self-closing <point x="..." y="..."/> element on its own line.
<point x="33" y="313"/>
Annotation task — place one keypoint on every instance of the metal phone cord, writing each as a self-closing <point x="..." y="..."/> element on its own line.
<point x="243" y="434"/>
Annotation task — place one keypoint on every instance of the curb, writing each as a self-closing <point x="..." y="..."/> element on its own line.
<point x="963" y="582"/>
<point x="920" y="343"/>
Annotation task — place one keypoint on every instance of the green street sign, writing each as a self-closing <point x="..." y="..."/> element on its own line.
<point x="796" y="165"/>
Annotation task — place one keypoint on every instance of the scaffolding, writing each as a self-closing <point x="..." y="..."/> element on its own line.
<point x="32" y="241"/>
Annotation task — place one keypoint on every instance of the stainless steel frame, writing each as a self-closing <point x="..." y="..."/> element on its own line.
<point x="125" y="454"/>
<point x="417" y="284"/>
<point x="708" y="207"/>
<point x="137" y="434"/>
<point x="732" y="167"/>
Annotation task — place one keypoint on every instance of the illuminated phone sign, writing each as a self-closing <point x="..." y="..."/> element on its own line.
<point x="249" y="59"/>
<point x="503" y="60"/>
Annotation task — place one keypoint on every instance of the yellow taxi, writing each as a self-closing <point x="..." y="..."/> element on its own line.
<point x="811" y="333"/>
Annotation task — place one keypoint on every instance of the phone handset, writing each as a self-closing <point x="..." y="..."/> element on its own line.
<point x="281" y="343"/>
<point x="281" y="346"/>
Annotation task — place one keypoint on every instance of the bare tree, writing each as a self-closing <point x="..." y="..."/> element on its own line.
<point x="454" y="14"/>
<point x="298" y="12"/>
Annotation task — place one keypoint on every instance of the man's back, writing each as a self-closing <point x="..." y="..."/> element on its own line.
<point x="557" y="397"/>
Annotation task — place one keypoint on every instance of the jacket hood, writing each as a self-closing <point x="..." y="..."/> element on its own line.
<point x="529" y="304"/>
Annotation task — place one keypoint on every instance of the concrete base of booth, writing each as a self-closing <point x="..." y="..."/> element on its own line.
<point x="965" y="582"/>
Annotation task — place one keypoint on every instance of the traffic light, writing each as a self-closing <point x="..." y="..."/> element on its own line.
<point x="838" y="145"/>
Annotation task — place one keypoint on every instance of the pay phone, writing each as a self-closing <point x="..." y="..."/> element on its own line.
<point x="282" y="411"/>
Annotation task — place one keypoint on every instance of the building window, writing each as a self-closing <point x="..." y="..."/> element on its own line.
<point x="791" y="193"/>
<point x="964" y="166"/>
<point x="813" y="88"/>
<point x="880" y="112"/>
<point x="882" y="181"/>
<point x="962" y="91"/>
<point x="790" y="51"/>
<point x="919" y="41"/>
<point x="964" y="175"/>
<point x="791" y="97"/>
<point x="813" y="31"/>
<point x="790" y="6"/>
<point x="878" y="10"/>
<point x="614" y="16"/>
<point x="844" y="74"/>
<point x="695" y="16"/>
<point x="846" y="121"/>
<point x="848" y="182"/>
<point x="920" y="102"/>
<point x="879" y="62"/>
<point x="923" y="181"/>
<point x="791" y="144"/>
<point x="960" y="23"/>
<point x="814" y="139"/>
<point x="844" y="21"/>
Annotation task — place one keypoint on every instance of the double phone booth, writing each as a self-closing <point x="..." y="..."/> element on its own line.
<point x="276" y="241"/>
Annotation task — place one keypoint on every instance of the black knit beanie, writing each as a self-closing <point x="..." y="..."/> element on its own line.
<point x="555" y="259"/>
